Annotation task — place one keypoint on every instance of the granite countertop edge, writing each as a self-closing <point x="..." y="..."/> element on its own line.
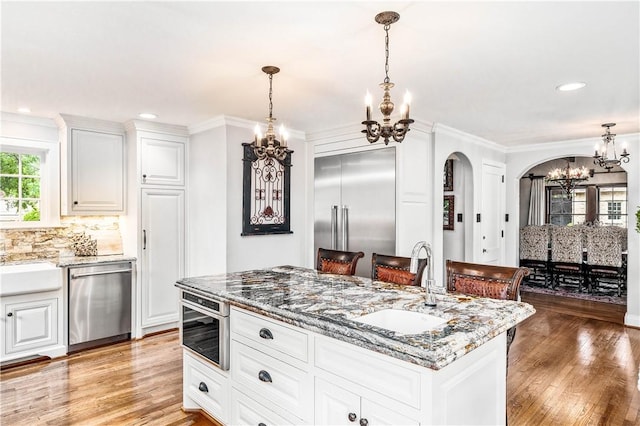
<point x="66" y="261"/>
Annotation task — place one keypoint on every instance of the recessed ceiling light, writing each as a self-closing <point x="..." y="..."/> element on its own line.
<point x="148" y="115"/>
<point x="24" y="110"/>
<point x="574" y="85"/>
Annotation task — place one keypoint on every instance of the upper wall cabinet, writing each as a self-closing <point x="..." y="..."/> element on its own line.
<point x="162" y="160"/>
<point x="92" y="166"/>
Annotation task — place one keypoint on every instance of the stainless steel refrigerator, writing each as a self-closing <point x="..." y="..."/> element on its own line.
<point x="355" y="205"/>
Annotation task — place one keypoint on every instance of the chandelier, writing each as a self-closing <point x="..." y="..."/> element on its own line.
<point x="601" y="157"/>
<point x="386" y="130"/>
<point x="568" y="177"/>
<point x="269" y="145"/>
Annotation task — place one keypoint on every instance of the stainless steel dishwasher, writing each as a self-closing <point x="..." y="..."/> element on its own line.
<point x="99" y="304"/>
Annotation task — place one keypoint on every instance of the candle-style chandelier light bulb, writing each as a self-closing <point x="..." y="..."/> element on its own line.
<point x="396" y="131"/>
<point x="269" y="145"/>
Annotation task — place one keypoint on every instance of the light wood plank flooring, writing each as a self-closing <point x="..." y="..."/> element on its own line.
<point x="563" y="370"/>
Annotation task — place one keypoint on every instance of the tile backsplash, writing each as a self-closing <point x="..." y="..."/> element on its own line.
<point x="51" y="243"/>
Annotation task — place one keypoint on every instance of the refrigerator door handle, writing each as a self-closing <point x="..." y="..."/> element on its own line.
<point x="345" y="228"/>
<point x="334" y="227"/>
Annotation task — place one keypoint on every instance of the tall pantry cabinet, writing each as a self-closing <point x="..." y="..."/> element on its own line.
<point x="159" y="223"/>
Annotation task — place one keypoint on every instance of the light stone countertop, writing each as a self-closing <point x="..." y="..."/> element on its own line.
<point x="85" y="260"/>
<point x="328" y="304"/>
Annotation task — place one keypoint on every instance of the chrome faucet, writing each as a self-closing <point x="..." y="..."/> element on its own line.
<point x="427" y="276"/>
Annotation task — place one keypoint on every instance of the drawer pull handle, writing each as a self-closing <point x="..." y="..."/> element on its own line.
<point x="203" y="387"/>
<point x="265" y="333"/>
<point x="352" y="417"/>
<point x="264" y="376"/>
<point x="261" y="424"/>
<point x="364" y="422"/>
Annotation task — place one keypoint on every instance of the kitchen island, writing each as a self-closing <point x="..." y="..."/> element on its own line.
<point x="317" y="362"/>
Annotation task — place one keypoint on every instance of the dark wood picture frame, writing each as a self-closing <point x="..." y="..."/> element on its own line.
<point x="448" y="212"/>
<point x="269" y="213"/>
<point x="448" y="175"/>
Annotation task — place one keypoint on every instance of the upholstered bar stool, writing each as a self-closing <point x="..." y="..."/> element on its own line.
<point x="395" y="269"/>
<point x="338" y="262"/>
<point x="494" y="282"/>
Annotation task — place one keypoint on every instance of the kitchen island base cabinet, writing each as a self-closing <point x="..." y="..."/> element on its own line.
<point x="340" y="381"/>
<point x="204" y="387"/>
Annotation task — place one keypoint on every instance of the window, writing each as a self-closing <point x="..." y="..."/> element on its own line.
<point x="563" y="210"/>
<point x="20" y="187"/>
<point x="612" y="205"/>
<point x="29" y="183"/>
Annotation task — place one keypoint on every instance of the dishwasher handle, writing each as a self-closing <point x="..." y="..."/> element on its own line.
<point x="91" y="274"/>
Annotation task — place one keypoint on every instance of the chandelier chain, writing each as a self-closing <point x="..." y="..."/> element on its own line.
<point x="270" y="95"/>
<point x="386" y="53"/>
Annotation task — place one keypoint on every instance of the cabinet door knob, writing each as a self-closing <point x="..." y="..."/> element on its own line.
<point x="352" y="417"/>
<point x="10" y="314"/>
<point x="144" y="178"/>
<point x="264" y="376"/>
<point x="364" y="422"/>
<point x="203" y="387"/>
<point x="75" y="203"/>
<point x="265" y="333"/>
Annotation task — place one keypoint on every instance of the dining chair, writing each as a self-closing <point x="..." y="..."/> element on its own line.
<point x="604" y="258"/>
<point x="338" y="262"/>
<point x="395" y="269"/>
<point x="534" y="251"/>
<point x="567" y="256"/>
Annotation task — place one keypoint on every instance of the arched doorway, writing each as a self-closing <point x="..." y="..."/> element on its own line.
<point x="457" y="238"/>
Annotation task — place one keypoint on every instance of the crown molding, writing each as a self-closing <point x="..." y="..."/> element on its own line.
<point x="226" y="120"/>
<point x="439" y="128"/>
<point x="66" y="120"/>
<point x="28" y="119"/>
<point x="150" y="126"/>
<point x="354" y="131"/>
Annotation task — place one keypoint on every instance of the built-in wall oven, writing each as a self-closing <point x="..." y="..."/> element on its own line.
<point x="204" y="327"/>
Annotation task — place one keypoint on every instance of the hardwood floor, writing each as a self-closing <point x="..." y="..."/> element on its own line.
<point x="563" y="370"/>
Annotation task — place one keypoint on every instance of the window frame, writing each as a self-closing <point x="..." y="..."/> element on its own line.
<point x="624" y="212"/>
<point x="49" y="180"/>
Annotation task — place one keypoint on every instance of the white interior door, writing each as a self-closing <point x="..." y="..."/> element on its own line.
<point x="492" y="214"/>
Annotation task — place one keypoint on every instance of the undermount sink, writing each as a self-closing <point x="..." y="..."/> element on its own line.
<point x="402" y="322"/>
<point x="29" y="278"/>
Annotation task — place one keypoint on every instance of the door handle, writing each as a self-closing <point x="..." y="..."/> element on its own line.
<point x="144" y="239"/>
<point x="334" y="227"/>
<point x="345" y="228"/>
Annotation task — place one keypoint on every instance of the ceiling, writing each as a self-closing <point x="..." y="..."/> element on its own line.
<point x="486" y="68"/>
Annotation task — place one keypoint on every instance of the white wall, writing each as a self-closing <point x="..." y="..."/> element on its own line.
<point x="478" y="151"/>
<point x="521" y="159"/>
<point x="207" y="194"/>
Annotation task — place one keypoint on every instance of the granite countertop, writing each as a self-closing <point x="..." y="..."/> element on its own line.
<point x="328" y="304"/>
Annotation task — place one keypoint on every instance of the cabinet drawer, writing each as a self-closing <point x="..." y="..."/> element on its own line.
<point x="206" y="386"/>
<point x="257" y="373"/>
<point x="368" y="369"/>
<point x="271" y="334"/>
<point x="246" y="411"/>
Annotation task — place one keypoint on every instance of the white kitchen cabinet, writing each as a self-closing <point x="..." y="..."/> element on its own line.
<point x="93" y="172"/>
<point x="337" y="406"/>
<point x="163" y="255"/>
<point x="155" y="227"/>
<point x="32" y="325"/>
<point x="162" y="160"/>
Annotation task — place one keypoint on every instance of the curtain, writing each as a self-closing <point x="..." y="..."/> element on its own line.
<point x="536" y="202"/>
